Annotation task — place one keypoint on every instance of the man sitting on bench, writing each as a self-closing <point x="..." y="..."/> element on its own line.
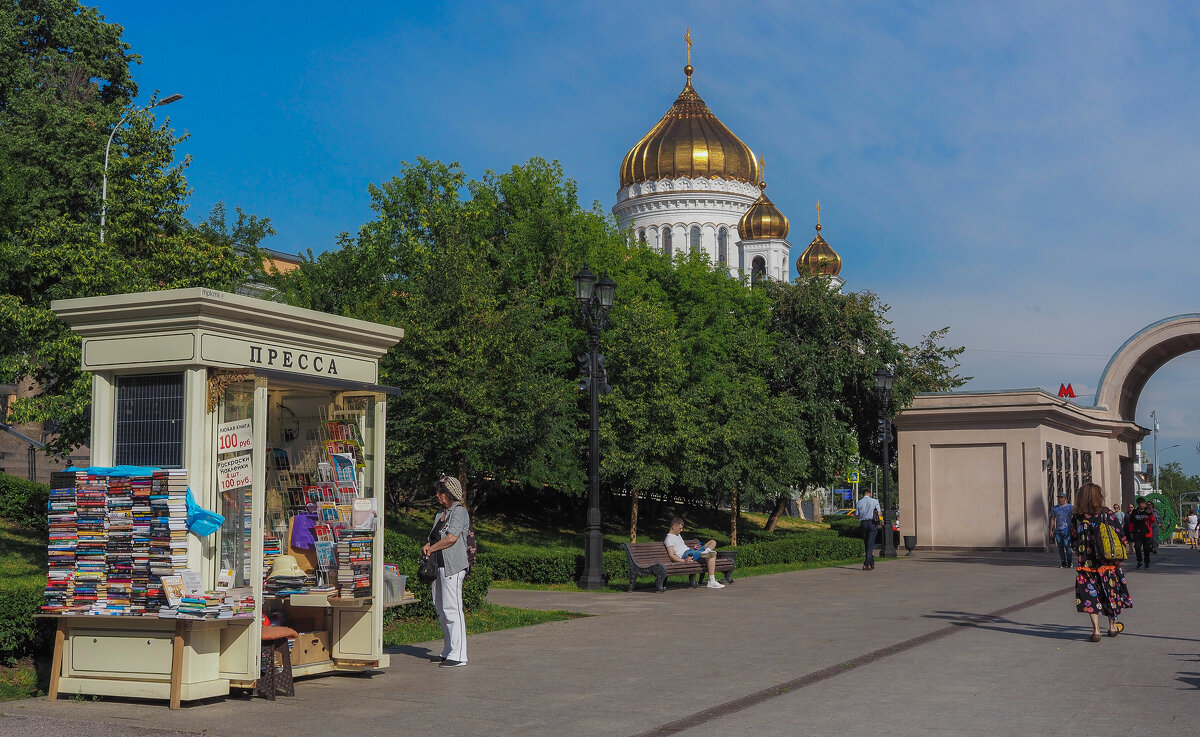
<point x="679" y="552"/>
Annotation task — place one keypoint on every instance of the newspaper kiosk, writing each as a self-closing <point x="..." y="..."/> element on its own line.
<point x="275" y="416"/>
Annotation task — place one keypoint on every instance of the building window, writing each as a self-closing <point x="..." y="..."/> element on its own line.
<point x="149" y="421"/>
<point x="667" y="251"/>
<point x="695" y="239"/>
<point x="758" y="270"/>
<point x="723" y="247"/>
<point x="741" y="257"/>
<point x="642" y="236"/>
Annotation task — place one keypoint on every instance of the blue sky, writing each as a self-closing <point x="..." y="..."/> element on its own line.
<point x="1022" y="172"/>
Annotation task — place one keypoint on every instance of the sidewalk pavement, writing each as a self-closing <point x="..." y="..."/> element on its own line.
<point x="940" y="644"/>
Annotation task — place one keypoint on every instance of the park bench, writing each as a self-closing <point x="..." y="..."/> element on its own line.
<point x="651" y="559"/>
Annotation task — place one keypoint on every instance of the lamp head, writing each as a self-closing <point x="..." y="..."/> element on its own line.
<point x="585" y="283"/>
<point x="168" y="100"/>
<point x="607" y="289"/>
<point x="884" y="380"/>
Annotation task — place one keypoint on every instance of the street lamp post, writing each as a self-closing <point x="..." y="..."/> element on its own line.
<point x="595" y="298"/>
<point x="104" y="181"/>
<point x="883" y="386"/>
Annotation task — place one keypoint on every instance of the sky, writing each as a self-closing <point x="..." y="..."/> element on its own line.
<point x="1022" y="172"/>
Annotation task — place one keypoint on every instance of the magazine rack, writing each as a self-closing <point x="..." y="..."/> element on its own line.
<point x="276" y="413"/>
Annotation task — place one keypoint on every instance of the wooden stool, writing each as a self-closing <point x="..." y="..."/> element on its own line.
<point x="275" y="640"/>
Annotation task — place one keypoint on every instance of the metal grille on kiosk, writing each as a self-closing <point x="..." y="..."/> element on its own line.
<point x="149" y="421"/>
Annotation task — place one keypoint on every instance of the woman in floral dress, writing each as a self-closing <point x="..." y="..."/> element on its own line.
<point x="1099" y="584"/>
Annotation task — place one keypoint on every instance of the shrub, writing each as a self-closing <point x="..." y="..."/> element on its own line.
<point x="20" y="633"/>
<point x="762" y="536"/>
<point x="23" y="501"/>
<point x="799" y="549"/>
<point x="845" y="526"/>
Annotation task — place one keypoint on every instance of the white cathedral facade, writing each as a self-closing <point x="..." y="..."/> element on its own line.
<point x="691" y="185"/>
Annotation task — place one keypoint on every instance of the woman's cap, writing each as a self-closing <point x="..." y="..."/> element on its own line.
<point x="451" y="486"/>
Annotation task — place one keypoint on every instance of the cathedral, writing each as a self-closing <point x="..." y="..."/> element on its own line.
<point x="691" y="185"/>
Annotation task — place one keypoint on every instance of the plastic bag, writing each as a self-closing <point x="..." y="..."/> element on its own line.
<point x="200" y="521"/>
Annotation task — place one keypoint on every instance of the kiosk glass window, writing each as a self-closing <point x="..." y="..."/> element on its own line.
<point x="149" y="421"/>
<point x="237" y="534"/>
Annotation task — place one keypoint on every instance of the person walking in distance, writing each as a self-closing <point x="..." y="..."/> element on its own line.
<point x="1060" y="528"/>
<point x="868" y="516"/>
<point x="1193" y="530"/>
<point x="1099" y="583"/>
<point x="1139" y="529"/>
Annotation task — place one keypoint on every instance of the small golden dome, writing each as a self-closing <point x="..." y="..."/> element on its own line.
<point x="690" y="142"/>
<point x="819" y="258"/>
<point x="763" y="220"/>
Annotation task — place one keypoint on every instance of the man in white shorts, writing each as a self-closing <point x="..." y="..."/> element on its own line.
<point x="1193" y="523"/>
<point x="679" y="552"/>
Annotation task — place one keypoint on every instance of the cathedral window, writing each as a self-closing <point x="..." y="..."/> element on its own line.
<point x="758" y="270"/>
<point x="722" y="247"/>
<point x="741" y="257"/>
<point x="642" y="236"/>
<point x="695" y="239"/>
<point x="666" y="235"/>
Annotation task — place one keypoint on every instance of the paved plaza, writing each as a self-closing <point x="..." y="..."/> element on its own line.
<point x="940" y="644"/>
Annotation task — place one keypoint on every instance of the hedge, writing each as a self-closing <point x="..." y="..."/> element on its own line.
<point x="20" y="633"/>
<point x="23" y="501"/>
<point x="799" y="549"/>
<point x="762" y="536"/>
<point x="406" y="553"/>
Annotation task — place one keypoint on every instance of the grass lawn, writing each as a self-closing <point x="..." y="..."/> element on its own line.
<point x="488" y="618"/>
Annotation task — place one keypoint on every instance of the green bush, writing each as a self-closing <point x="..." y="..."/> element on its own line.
<point x="23" y="501"/>
<point x="20" y="633"/>
<point x="845" y="526"/>
<point x="406" y="553"/>
<point x="762" y="536"/>
<point x="798" y="549"/>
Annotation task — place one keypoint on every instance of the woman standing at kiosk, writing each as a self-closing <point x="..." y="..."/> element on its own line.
<point x="448" y="547"/>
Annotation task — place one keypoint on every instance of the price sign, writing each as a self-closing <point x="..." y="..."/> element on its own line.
<point x="234" y="436"/>
<point x="234" y="473"/>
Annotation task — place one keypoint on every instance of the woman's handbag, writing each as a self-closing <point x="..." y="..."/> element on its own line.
<point x="427" y="572"/>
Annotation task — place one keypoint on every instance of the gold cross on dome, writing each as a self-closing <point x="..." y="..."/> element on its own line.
<point x="818" y="212"/>
<point x="687" y="37"/>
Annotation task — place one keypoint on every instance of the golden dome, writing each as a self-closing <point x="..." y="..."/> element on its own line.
<point x="819" y="258"/>
<point x="691" y="142"/>
<point x="763" y="219"/>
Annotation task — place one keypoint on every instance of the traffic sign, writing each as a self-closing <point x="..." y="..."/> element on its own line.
<point x="852" y="477"/>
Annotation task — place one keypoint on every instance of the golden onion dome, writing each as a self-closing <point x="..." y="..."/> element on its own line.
<point x="763" y="220"/>
<point x="819" y="258"/>
<point x="690" y="142"/>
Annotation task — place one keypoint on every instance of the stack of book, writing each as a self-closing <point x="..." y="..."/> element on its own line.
<point x="168" y="524"/>
<point x="271" y="550"/>
<point x="119" y="552"/>
<point x="237" y="604"/>
<point x="91" y="565"/>
<point x="64" y="535"/>
<point x="354" y="565"/>
<point x="145" y="596"/>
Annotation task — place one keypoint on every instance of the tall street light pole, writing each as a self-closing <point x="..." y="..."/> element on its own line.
<point x="595" y="299"/>
<point x="104" y="182"/>
<point x="883" y="386"/>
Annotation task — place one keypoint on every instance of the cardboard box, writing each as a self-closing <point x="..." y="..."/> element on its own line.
<point x="311" y="647"/>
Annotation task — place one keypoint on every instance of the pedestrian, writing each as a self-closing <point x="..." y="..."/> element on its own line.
<point x="869" y="517"/>
<point x="1193" y="530"/>
<point x="1139" y="529"/>
<point x="448" y="546"/>
<point x="1060" y="528"/>
<point x="1119" y="513"/>
<point x="678" y="552"/>
<point x="1100" y="586"/>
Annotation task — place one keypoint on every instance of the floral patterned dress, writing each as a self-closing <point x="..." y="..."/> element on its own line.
<point x="1099" y="584"/>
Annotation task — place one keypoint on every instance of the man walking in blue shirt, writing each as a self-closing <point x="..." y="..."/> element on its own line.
<point x="1060" y="528"/>
<point x="868" y="511"/>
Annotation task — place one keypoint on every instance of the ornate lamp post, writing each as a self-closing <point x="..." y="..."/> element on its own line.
<point x="104" y="182"/>
<point x="883" y="386"/>
<point x="595" y="299"/>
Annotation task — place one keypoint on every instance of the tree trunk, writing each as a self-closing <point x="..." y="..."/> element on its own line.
<point x="780" y="506"/>
<point x="733" y="520"/>
<point x="633" y="514"/>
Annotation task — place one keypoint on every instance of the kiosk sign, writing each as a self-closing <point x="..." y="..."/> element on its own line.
<point x="234" y="473"/>
<point x="234" y="436"/>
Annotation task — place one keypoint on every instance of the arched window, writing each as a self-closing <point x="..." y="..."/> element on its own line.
<point x="722" y="247"/>
<point x="695" y="239"/>
<point x="666" y="235"/>
<point x="741" y="257"/>
<point x="642" y="236"/>
<point x="758" y="270"/>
